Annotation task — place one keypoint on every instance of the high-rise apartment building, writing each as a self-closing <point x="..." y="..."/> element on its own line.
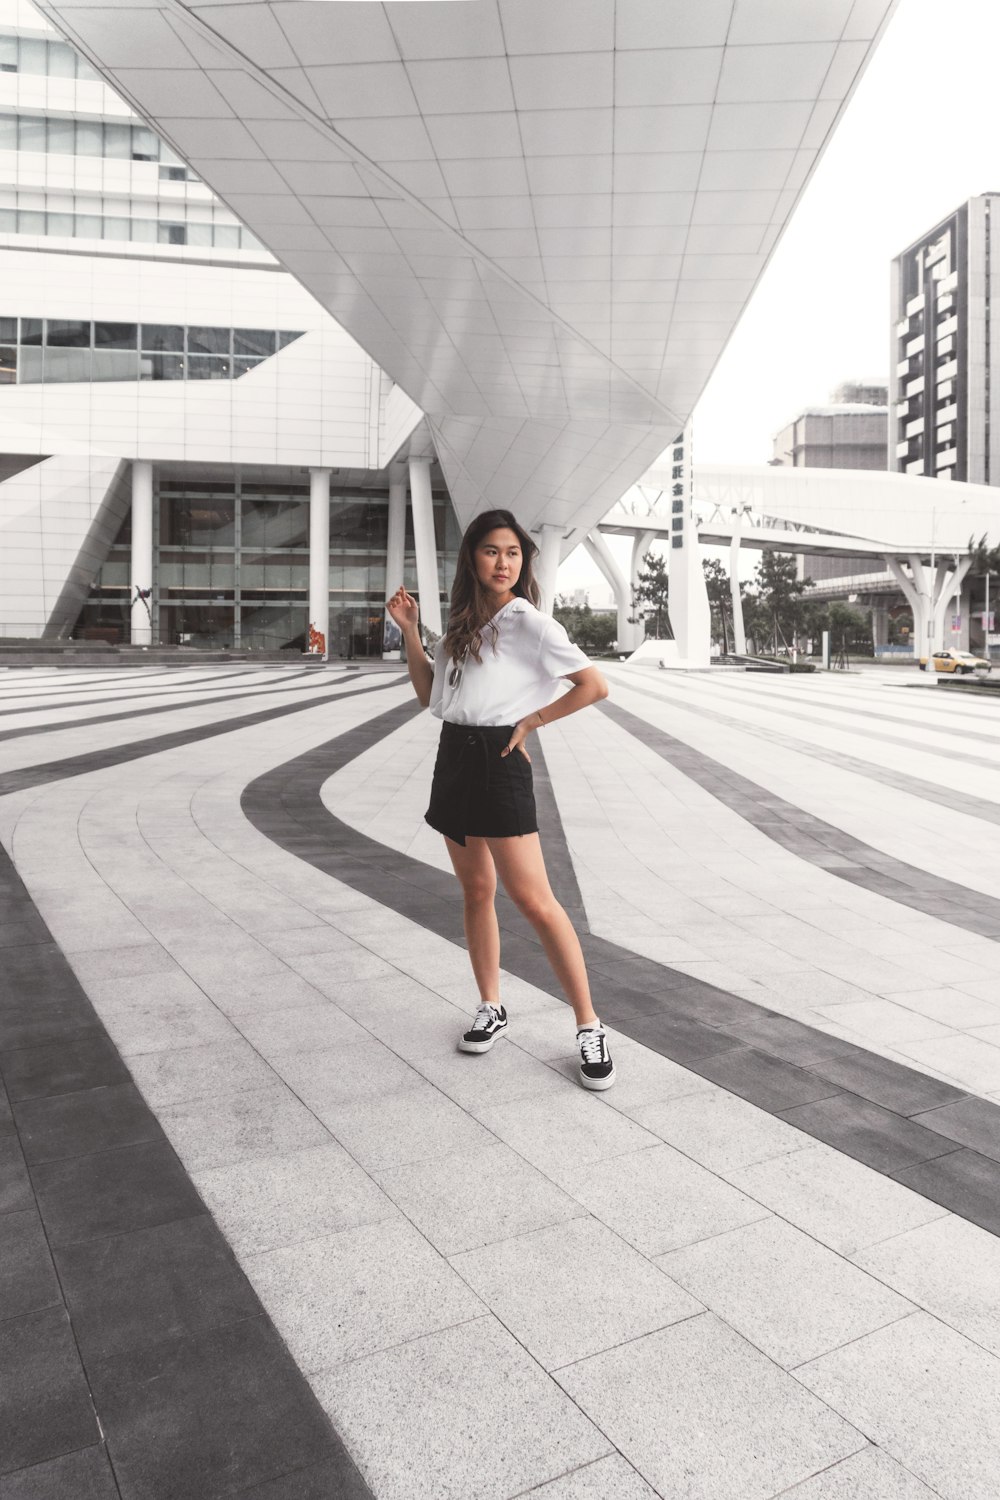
<point x="944" y="395"/>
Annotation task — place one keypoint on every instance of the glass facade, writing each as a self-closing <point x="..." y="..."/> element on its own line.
<point x="231" y="565"/>
<point x="45" y="350"/>
<point x="119" y="226"/>
<point x="43" y="58"/>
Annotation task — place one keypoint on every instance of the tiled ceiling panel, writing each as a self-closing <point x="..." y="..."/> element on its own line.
<point x="542" y="218"/>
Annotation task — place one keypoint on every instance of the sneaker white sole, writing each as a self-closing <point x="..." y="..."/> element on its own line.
<point x="465" y="1046"/>
<point x="598" y="1083"/>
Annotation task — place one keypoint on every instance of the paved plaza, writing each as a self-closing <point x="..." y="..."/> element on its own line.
<point x="265" y="1233"/>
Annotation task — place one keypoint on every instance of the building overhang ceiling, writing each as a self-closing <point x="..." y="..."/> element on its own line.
<point x="542" y="218"/>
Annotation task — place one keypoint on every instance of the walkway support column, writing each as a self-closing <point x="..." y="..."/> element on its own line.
<point x="599" y="550"/>
<point x="318" y="639"/>
<point x="394" y="551"/>
<point x="739" y="632"/>
<point x="547" y="565"/>
<point x="425" y="545"/>
<point x="142" y="553"/>
<point x="641" y="544"/>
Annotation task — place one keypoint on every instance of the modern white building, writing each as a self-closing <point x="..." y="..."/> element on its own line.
<point x="514" y="238"/>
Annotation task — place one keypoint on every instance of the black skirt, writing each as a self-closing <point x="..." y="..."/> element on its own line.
<point x="476" y="792"/>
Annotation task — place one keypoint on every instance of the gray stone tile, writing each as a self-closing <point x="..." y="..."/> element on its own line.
<point x="868" y="1475"/>
<point x="138" y="961"/>
<point x="607" y="1479"/>
<point x="329" y="973"/>
<point x="366" y="1070"/>
<point x="192" y="1072"/>
<point x="281" y="1200"/>
<point x="477" y="1081"/>
<point x="841" y="1202"/>
<point x="421" y="1419"/>
<point x="83" y="1475"/>
<point x="658" y="1199"/>
<point x="563" y="1130"/>
<point x="926" y="1395"/>
<point x="161" y="1025"/>
<point x="790" y="1296"/>
<point x="964" y="1181"/>
<point x="533" y="1284"/>
<point x="971" y="1062"/>
<point x="321" y="938"/>
<point x="969" y="1122"/>
<point x="255" y="993"/>
<point x="719" y="1130"/>
<point x="217" y="1131"/>
<point x="359" y="1291"/>
<point x="412" y="1125"/>
<point x="476" y="1197"/>
<point x="642" y="1076"/>
<point x="866" y="1131"/>
<point x="951" y="1268"/>
<point x="739" y="1428"/>
<point x="885" y="1082"/>
<point x="307" y="1028"/>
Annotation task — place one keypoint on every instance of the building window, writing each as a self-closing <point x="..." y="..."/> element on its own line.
<point x="34" y="350"/>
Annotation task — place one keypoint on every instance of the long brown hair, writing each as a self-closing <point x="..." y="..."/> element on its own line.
<point x="470" y="614"/>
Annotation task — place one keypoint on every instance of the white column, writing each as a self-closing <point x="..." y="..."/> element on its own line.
<point x="739" y="631"/>
<point x="395" y="542"/>
<point x="599" y="550"/>
<point x="319" y="562"/>
<point x="547" y="564"/>
<point x="641" y="544"/>
<point x="424" y="544"/>
<point x="912" y="593"/>
<point x="142" y="553"/>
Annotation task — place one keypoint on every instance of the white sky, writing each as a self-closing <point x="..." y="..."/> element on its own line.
<point x="920" y="135"/>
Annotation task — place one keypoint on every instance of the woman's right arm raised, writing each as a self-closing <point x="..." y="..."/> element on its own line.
<point x="403" y="608"/>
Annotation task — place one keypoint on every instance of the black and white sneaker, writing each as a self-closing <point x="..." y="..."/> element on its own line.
<point x="597" y="1071"/>
<point x="490" y="1022"/>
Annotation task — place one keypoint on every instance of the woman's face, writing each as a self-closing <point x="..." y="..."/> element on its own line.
<point x="498" y="563"/>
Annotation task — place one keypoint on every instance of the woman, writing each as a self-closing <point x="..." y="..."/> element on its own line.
<point x="495" y="679"/>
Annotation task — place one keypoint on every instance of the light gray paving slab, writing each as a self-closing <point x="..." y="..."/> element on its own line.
<point x="868" y="1475"/>
<point x="270" y="1201"/>
<point x="421" y="1420"/>
<point x="414" y="1124"/>
<point x="478" y="1081"/>
<point x="789" y="1295"/>
<point x="971" y="1062"/>
<point x="733" y="1426"/>
<point x="222" y="1129"/>
<point x="154" y="1024"/>
<point x="476" y="1197"/>
<point x="546" y="1034"/>
<point x="365" y="1070"/>
<point x="418" y="1026"/>
<point x="562" y="1130"/>
<point x="607" y="1479"/>
<point x="951" y="1268"/>
<point x="193" y="1072"/>
<point x="257" y="994"/>
<point x="305" y="1028"/>
<point x="573" y="1289"/>
<point x="329" y="972"/>
<point x="520" y="996"/>
<point x="659" y="1200"/>
<point x="719" y="1130"/>
<point x="843" y="1203"/>
<point x="116" y="963"/>
<point x="924" y="1393"/>
<point x="318" y="938"/>
<point x="359" y="1291"/>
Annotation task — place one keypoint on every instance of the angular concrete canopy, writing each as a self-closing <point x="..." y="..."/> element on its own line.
<point x="542" y="218"/>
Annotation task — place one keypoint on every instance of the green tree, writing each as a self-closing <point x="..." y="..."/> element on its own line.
<point x="719" y="600"/>
<point x="590" y="631"/>
<point x="650" y="599"/>
<point x="986" y="565"/>
<point x="779" y="592"/>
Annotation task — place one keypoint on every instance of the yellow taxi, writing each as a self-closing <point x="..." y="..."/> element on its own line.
<point x="956" y="661"/>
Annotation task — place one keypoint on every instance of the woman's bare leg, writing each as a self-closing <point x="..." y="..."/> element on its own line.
<point x="476" y="871"/>
<point x="521" y="867"/>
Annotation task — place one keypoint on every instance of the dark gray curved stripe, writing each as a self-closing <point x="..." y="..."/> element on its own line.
<point x="168" y="708"/>
<point x="926" y="791"/>
<point x="907" y="742"/>
<point x="34" y="708"/>
<point x="135" y="1357"/>
<point x="118" y="755"/>
<point x="820" y="843"/>
<point x="840" y="1093"/>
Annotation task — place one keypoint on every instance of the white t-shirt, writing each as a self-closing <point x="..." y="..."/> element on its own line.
<point x="532" y="652"/>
